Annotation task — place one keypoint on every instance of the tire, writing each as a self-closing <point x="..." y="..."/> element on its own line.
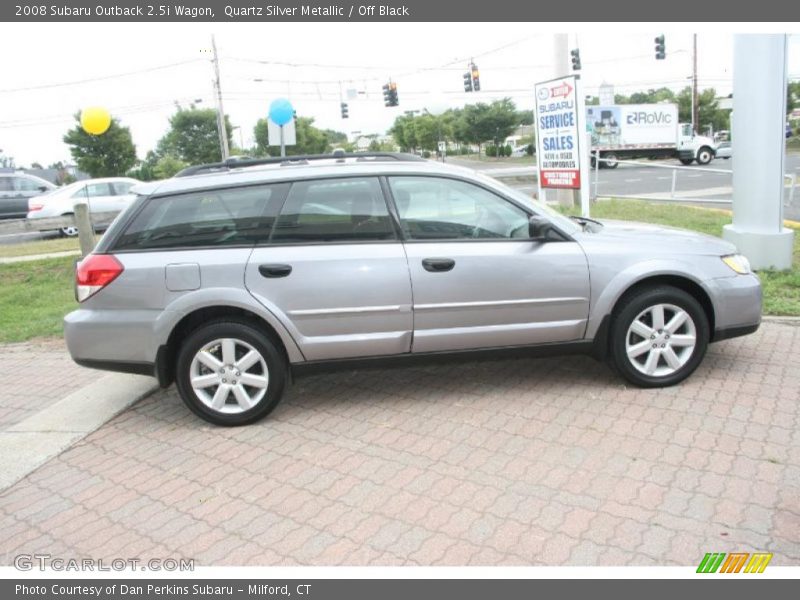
<point x="235" y="404"/>
<point x="686" y="161"/>
<point x="632" y="326"/>
<point x="70" y="231"/>
<point x="612" y="158"/>
<point x="705" y="155"/>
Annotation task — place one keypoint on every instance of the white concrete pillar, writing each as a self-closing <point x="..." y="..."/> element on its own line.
<point x="758" y="130"/>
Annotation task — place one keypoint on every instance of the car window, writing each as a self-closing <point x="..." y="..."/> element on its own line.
<point x="433" y="208"/>
<point x="227" y="217"/>
<point x="23" y="184"/>
<point x="334" y="210"/>
<point x="93" y="190"/>
<point x="122" y="187"/>
<point x="6" y="185"/>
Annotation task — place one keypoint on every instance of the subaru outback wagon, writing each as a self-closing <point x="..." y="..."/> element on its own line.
<point x="231" y="277"/>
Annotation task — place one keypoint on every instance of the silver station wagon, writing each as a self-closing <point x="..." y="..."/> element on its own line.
<point x="231" y="277"/>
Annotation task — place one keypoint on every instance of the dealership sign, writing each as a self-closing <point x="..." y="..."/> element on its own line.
<point x="558" y="133"/>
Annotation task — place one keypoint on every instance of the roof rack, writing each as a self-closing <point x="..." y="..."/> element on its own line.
<point x="303" y="159"/>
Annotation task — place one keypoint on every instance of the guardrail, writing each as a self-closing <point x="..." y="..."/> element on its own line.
<point x="12" y="226"/>
<point x="85" y="224"/>
<point x="675" y="168"/>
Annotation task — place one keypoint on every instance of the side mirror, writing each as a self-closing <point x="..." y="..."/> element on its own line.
<point x="43" y="188"/>
<point x="538" y="227"/>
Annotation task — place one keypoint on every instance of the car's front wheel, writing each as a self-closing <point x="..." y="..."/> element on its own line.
<point x="230" y="373"/>
<point x="659" y="336"/>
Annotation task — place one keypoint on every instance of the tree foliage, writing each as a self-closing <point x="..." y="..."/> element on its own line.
<point x="193" y="137"/>
<point x="310" y="139"/>
<point x="107" y="155"/>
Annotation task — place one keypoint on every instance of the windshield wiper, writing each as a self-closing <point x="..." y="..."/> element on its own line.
<point x="584" y="220"/>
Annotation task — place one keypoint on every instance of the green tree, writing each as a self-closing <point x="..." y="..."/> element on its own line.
<point x="107" y="155"/>
<point x="167" y="166"/>
<point x="193" y="136"/>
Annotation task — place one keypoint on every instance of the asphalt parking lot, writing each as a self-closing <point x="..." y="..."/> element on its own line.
<point x="525" y="461"/>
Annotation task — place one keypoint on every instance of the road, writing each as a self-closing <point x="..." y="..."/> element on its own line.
<point x="653" y="181"/>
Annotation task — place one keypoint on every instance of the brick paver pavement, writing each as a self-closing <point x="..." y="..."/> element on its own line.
<point x="34" y="375"/>
<point x="548" y="461"/>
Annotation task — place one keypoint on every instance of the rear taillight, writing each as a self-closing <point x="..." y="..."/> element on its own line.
<point x="34" y="207"/>
<point x="94" y="273"/>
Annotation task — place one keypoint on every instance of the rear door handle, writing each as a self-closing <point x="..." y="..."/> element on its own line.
<point x="438" y="265"/>
<point x="273" y="271"/>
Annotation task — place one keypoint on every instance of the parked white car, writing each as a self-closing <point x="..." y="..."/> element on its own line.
<point x="107" y="195"/>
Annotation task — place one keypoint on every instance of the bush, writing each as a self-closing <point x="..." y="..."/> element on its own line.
<point x="491" y="151"/>
<point x="426" y="154"/>
<point x="507" y="150"/>
<point x="529" y="149"/>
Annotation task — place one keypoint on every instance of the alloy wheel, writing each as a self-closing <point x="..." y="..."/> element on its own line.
<point x="661" y="340"/>
<point x="229" y="376"/>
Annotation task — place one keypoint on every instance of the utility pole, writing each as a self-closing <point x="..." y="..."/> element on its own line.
<point x="695" y="106"/>
<point x="223" y="134"/>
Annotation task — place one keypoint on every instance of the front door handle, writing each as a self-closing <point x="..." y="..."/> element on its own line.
<point x="273" y="271"/>
<point x="438" y="265"/>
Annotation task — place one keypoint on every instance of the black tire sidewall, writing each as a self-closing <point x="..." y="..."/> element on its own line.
<point x="704" y="151"/>
<point x="276" y="364"/>
<point x="630" y="309"/>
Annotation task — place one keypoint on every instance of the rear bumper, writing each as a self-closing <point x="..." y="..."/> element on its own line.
<point x="112" y="336"/>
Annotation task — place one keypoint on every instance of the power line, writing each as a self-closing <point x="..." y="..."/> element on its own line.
<point x="99" y="78"/>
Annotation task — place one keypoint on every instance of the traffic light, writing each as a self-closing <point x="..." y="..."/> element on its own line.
<point x="390" y="94"/>
<point x="468" y="81"/>
<point x="476" y="77"/>
<point x="345" y="110"/>
<point x="576" y="59"/>
<point x="661" y="52"/>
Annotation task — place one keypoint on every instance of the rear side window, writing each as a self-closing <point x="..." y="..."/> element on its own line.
<point x="94" y="190"/>
<point x="121" y="187"/>
<point x="23" y="184"/>
<point x="228" y="217"/>
<point x="334" y="210"/>
<point x="6" y="184"/>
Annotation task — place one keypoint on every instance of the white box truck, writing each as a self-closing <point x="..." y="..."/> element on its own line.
<point x="629" y="131"/>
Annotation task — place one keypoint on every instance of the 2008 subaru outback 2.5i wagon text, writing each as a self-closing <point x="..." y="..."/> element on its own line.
<point x="228" y="276"/>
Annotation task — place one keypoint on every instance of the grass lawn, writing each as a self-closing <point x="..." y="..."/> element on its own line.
<point x="39" y="247"/>
<point x="34" y="297"/>
<point x="781" y="288"/>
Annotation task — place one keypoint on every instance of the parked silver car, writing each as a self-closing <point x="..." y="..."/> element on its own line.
<point x="230" y="277"/>
<point x="16" y="188"/>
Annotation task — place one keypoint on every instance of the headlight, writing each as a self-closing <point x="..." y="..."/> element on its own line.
<point x="738" y="263"/>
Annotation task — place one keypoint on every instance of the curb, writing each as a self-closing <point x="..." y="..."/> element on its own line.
<point x="27" y="445"/>
<point x="31" y="257"/>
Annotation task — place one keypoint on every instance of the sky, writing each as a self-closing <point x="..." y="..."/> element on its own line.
<point x="141" y="72"/>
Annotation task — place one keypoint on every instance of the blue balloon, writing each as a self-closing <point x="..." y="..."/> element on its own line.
<point x="281" y="111"/>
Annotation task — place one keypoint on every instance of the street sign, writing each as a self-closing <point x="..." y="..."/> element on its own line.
<point x="274" y="133"/>
<point x="559" y="133"/>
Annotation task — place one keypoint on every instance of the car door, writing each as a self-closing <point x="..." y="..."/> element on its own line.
<point x="478" y="280"/>
<point x="334" y="271"/>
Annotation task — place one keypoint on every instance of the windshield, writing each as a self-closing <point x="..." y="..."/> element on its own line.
<point x="562" y="222"/>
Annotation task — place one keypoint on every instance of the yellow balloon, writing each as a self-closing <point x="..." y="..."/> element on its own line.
<point x="95" y="120"/>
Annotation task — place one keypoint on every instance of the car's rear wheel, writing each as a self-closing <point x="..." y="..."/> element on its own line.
<point x="230" y="373"/>
<point x="658" y="336"/>
<point x="69" y="231"/>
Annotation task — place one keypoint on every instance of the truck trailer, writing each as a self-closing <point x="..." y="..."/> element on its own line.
<point x="629" y="131"/>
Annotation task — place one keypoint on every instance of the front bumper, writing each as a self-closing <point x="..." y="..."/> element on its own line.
<point x="738" y="304"/>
